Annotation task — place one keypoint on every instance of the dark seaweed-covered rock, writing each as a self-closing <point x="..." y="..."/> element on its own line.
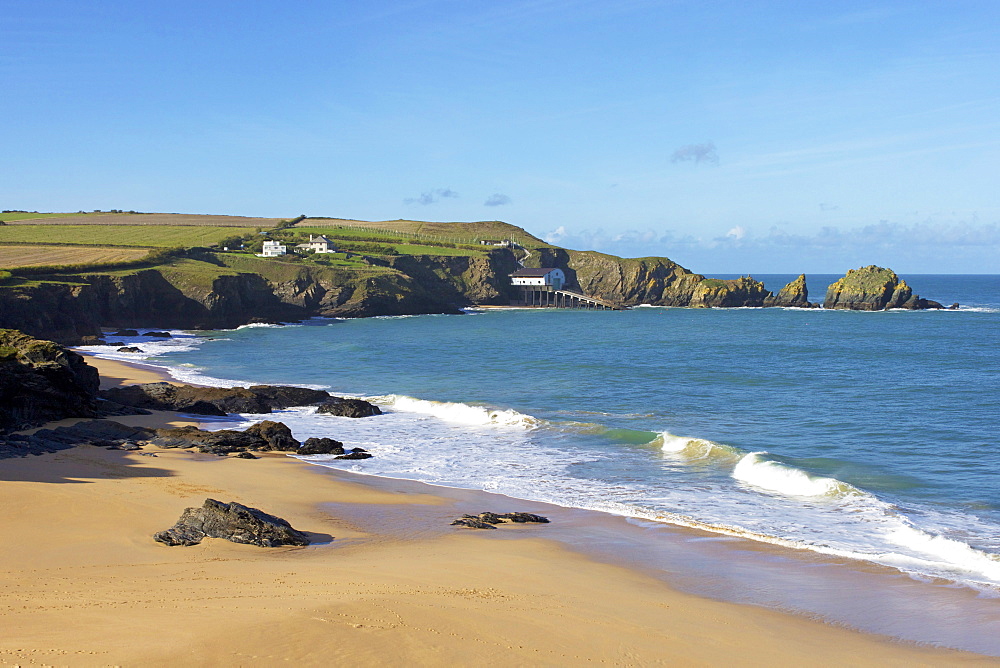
<point x="285" y="396"/>
<point x="356" y="453"/>
<point x="265" y="436"/>
<point x="234" y="522"/>
<point x="488" y="520"/>
<point x="42" y="381"/>
<point x="352" y="408"/>
<point x="126" y="332"/>
<point x="193" y="399"/>
<point x="473" y="523"/>
<point x="277" y="435"/>
<point x="245" y="454"/>
<point x="104" y="433"/>
<point x="129" y="349"/>
<point x="321" y="446"/>
<point x="160" y="335"/>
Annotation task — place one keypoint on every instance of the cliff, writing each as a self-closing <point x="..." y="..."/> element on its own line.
<point x="657" y="281"/>
<point x="873" y="288"/>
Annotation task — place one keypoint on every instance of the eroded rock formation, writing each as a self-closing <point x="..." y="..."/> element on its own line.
<point x="873" y="288"/>
<point x="234" y="522"/>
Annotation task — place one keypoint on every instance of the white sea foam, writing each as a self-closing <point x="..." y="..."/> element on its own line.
<point x="459" y="412"/>
<point x="775" y="477"/>
<point x="261" y="325"/>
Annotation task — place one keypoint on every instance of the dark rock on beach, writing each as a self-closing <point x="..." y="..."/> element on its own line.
<point x="352" y="408"/>
<point x="214" y="400"/>
<point x="356" y="453"/>
<point x="129" y="349"/>
<point x="102" y="433"/>
<point x="321" y="446"/>
<point x="265" y="436"/>
<point x="488" y="520"/>
<point x="42" y="381"/>
<point x="233" y="522"/>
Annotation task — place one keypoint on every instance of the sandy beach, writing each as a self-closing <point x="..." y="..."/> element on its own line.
<point x="82" y="583"/>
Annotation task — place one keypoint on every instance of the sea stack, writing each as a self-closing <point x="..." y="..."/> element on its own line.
<point x="873" y="288"/>
<point x="794" y="294"/>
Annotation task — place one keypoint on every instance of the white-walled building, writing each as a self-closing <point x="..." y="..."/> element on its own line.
<point x="273" y="249"/>
<point x="320" y="244"/>
<point x="545" y="278"/>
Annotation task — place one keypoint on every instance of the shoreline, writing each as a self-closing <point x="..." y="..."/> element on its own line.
<point x="519" y="564"/>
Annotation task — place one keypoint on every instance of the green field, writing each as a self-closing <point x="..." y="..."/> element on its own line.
<point x="157" y="236"/>
<point x="416" y="249"/>
<point x="462" y="233"/>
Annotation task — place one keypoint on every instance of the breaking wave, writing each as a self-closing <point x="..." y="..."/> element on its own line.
<point x="459" y="412"/>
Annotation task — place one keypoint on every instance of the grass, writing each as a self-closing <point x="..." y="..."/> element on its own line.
<point x="30" y="256"/>
<point x="415" y="249"/>
<point x="158" y="236"/>
<point x="102" y="218"/>
<point x="467" y="233"/>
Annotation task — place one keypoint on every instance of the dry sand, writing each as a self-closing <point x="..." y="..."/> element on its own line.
<point x="82" y="583"/>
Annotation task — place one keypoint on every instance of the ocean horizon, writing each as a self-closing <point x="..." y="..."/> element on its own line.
<point x="862" y="440"/>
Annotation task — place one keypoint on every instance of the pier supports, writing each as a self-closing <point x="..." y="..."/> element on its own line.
<point x="544" y="297"/>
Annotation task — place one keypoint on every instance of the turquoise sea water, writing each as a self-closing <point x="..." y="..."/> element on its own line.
<point x="868" y="436"/>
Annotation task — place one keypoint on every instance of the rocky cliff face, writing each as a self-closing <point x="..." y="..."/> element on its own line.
<point x="794" y="294"/>
<point x="42" y="381"/>
<point x="873" y="288"/>
<point x="201" y="295"/>
<point x="650" y="280"/>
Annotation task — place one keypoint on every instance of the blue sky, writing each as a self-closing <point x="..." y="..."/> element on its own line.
<point x="728" y="136"/>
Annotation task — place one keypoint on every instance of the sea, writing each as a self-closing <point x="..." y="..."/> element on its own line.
<point x="838" y="464"/>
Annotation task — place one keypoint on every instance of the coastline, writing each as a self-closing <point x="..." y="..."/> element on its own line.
<point x="395" y="585"/>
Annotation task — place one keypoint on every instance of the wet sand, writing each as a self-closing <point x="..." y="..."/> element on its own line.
<point x="83" y="583"/>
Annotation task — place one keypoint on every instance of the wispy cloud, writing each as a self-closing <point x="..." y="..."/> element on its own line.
<point x="497" y="199"/>
<point x="696" y="153"/>
<point x="431" y="196"/>
<point x="919" y="247"/>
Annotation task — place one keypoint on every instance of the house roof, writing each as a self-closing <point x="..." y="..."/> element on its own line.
<point x="533" y="273"/>
<point x="321" y="239"/>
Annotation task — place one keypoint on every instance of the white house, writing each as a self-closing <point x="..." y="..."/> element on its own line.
<point x="545" y="278"/>
<point x="320" y="244"/>
<point x="272" y="249"/>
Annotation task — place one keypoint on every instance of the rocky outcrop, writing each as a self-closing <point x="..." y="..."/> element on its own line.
<point x="234" y="522"/>
<point x="352" y="408"/>
<point x="795" y="295"/>
<point x="42" y="381"/>
<point x="489" y="520"/>
<point x="102" y="433"/>
<point x="214" y="400"/>
<point x="717" y="293"/>
<point x="650" y="280"/>
<point x="263" y="436"/>
<point x="873" y="288"/>
<point x="321" y="446"/>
